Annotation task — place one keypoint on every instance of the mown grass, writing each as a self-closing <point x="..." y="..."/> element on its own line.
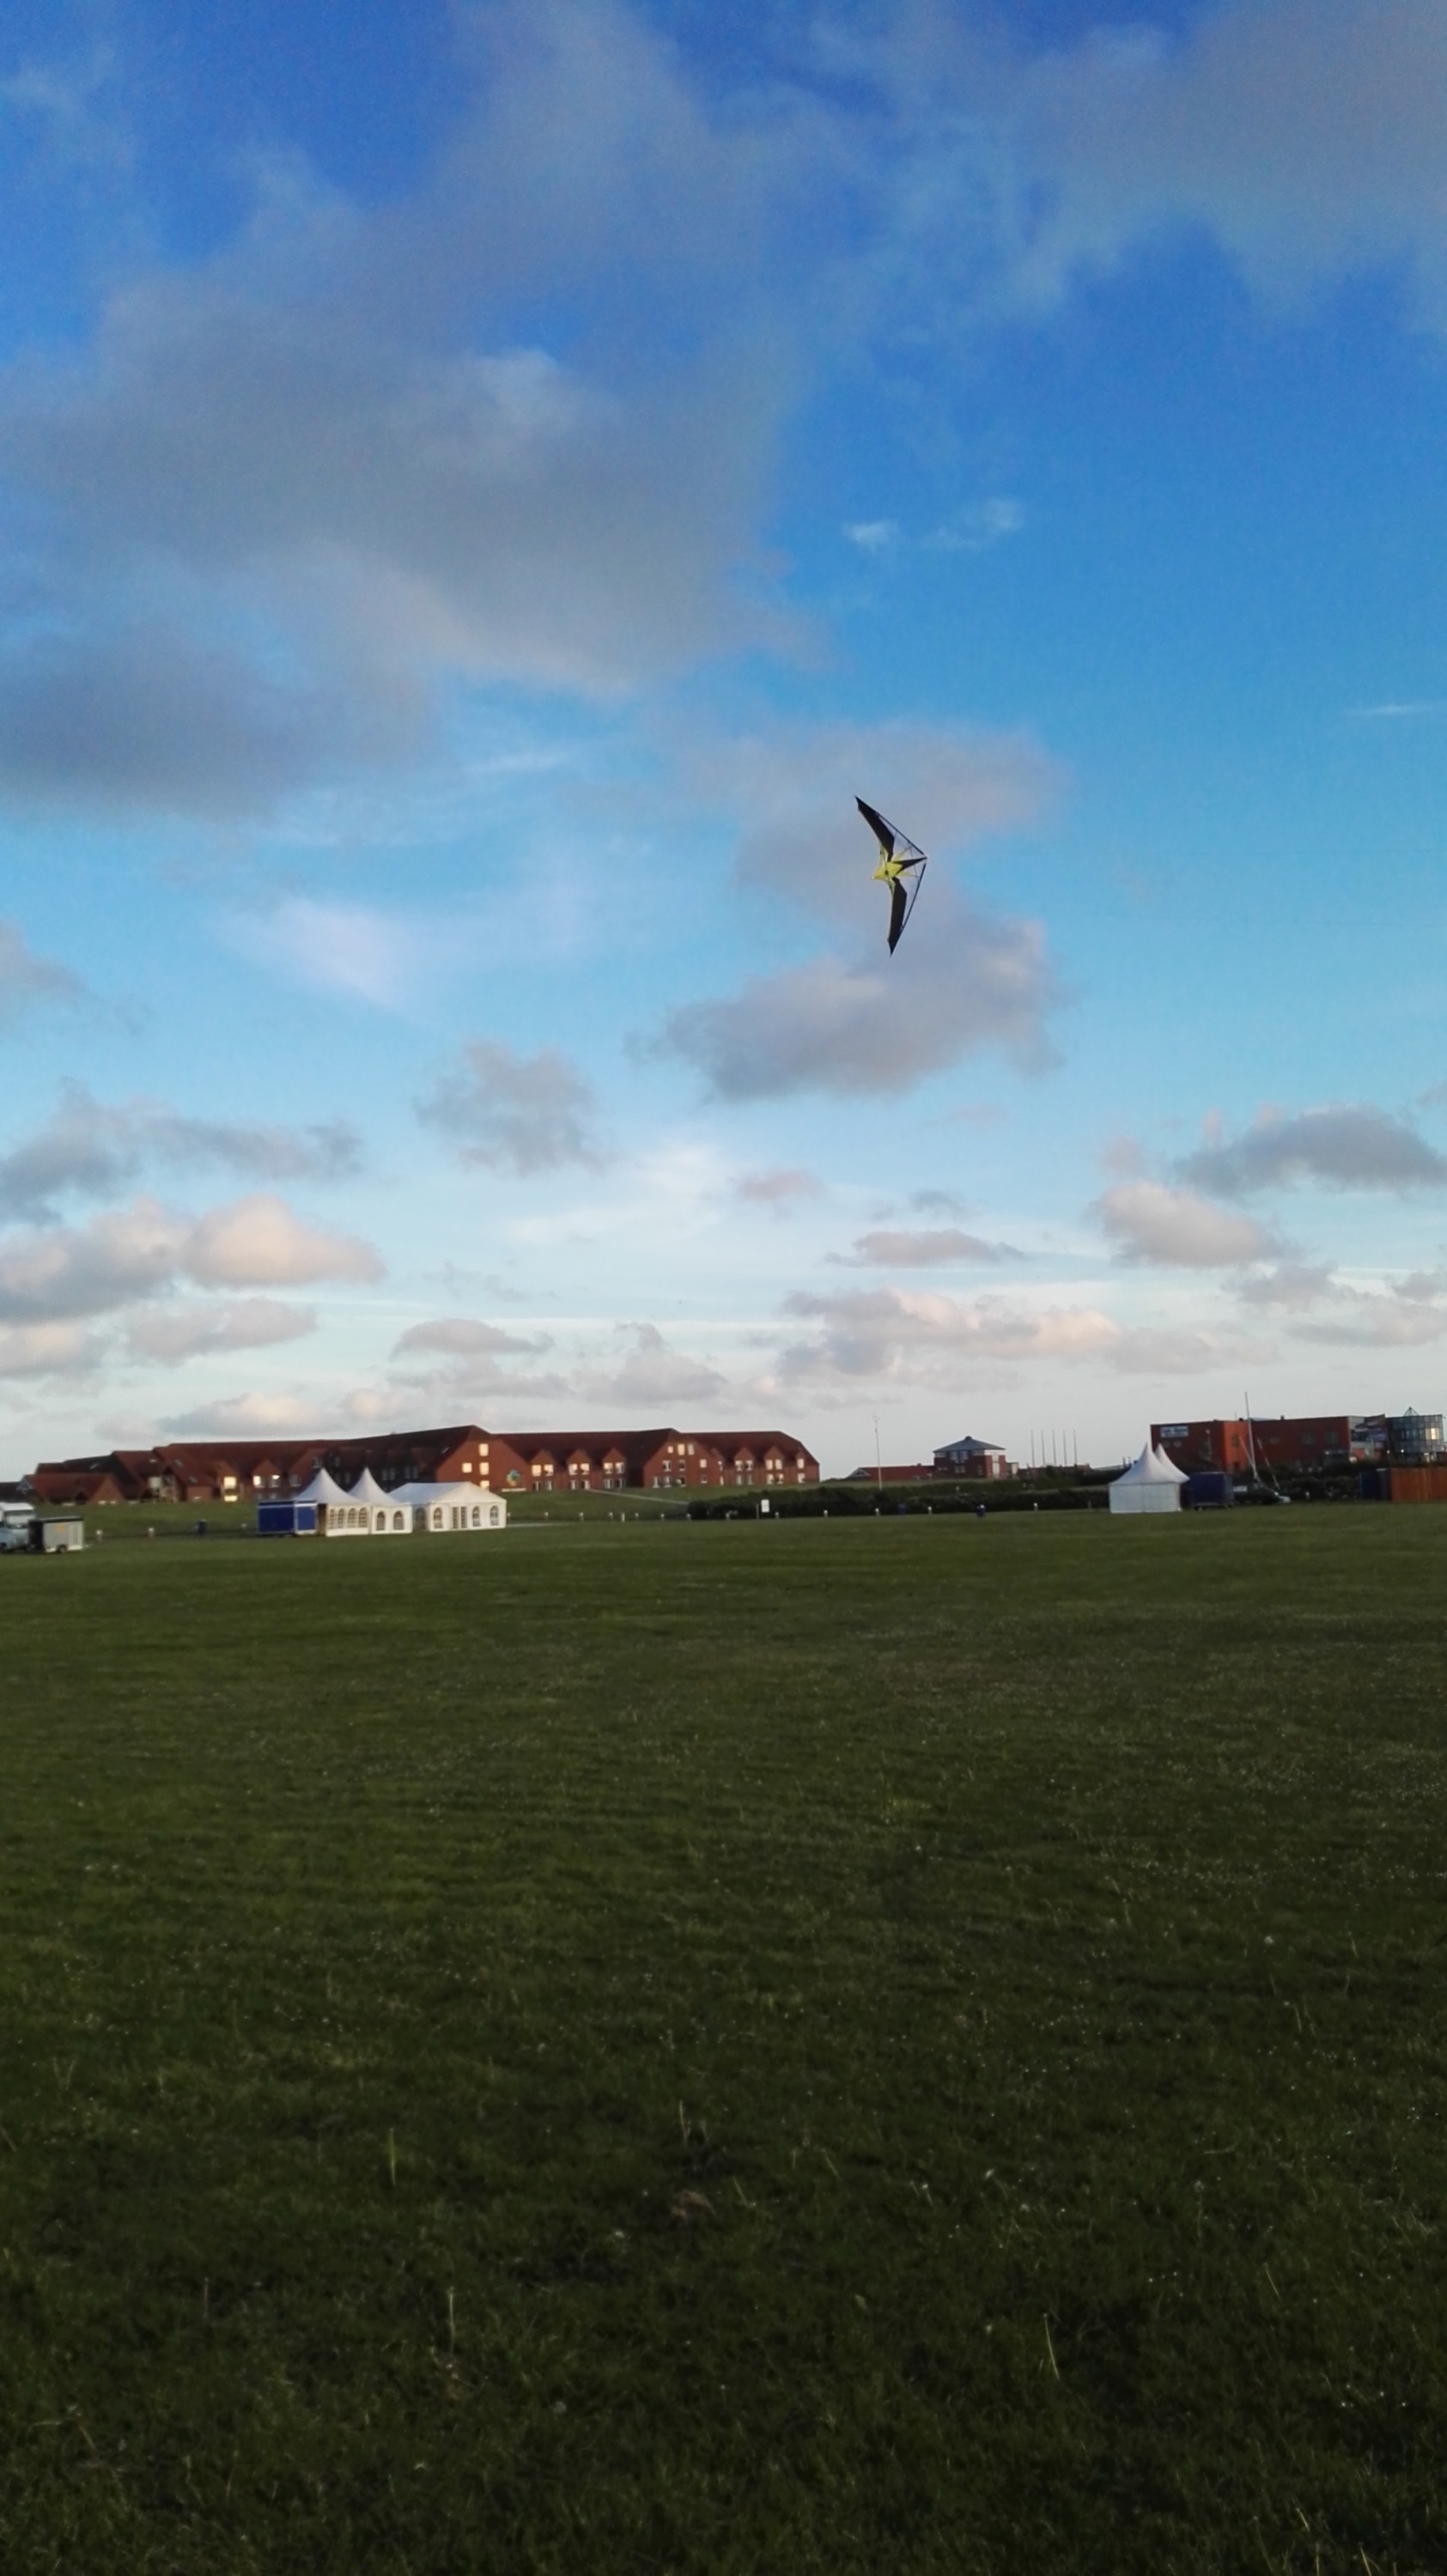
<point x="910" y="2045"/>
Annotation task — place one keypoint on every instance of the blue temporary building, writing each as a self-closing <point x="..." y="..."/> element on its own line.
<point x="289" y="1519"/>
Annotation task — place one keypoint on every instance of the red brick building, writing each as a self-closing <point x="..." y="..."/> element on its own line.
<point x="1196" y="1446"/>
<point x="972" y="1457"/>
<point x="552" y="1462"/>
<point x="1301" y="1444"/>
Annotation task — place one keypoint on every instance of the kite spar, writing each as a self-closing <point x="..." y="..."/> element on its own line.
<point x="900" y="859"/>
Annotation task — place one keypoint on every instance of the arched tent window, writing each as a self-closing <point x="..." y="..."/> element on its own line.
<point x="492" y="1517"/>
<point x="476" y="1516"/>
<point x="398" y="1521"/>
<point x="381" y="1520"/>
<point x="437" y="1516"/>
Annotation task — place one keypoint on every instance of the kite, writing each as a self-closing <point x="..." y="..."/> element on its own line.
<point x="897" y="856"/>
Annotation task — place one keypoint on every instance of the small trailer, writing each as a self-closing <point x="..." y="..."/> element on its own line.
<point x="63" y="1536"/>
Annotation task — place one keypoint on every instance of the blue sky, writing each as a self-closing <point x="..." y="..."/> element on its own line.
<point x="483" y="491"/>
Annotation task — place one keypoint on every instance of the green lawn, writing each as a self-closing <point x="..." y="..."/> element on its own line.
<point x="901" y="2045"/>
<point x="113" y="1522"/>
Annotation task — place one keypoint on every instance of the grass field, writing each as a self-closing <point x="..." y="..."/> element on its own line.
<point x="904" y="2045"/>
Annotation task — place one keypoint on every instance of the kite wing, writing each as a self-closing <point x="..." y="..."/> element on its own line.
<point x="899" y="857"/>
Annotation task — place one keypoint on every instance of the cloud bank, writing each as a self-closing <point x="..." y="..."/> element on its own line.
<point x="135" y="1253"/>
<point x="523" y="1114"/>
<point x="1356" y="1147"/>
<point x="1147" y="1221"/>
<point x="89" y="1150"/>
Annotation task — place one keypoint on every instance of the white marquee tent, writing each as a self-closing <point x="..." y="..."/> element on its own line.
<point x="331" y="1501"/>
<point x="384" y="1515"/>
<point x="1153" y="1484"/>
<point x="453" y="1507"/>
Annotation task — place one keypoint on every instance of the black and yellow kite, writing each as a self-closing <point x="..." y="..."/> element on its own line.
<point x="899" y="858"/>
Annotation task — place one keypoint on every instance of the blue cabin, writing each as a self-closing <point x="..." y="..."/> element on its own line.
<point x="286" y="1520"/>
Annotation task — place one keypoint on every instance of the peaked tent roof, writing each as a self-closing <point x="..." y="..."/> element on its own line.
<point x="1152" y="1467"/>
<point x="367" y="1490"/>
<point x="322" y="1489"/>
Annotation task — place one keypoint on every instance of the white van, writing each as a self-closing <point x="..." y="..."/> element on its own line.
<point x="17" y="1520"/>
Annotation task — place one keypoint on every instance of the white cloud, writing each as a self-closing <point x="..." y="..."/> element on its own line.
<point x="780" y="1189"/>
<point x="790" y="794"/>
<point x="968" y="982"/>
<point x="93" y="1151"/>
<point x="261" y="1243"/>
<point x="132" y="1254"/>
<point x="247" y="1417"/>
<point x="1401" y="1313"/>
<point x="961" y="980"/>
<point x="27" y="980"/>
<point x="1400" y="709"/>
<point x="353" y="948"/>
<point x="1350" y="1147"/>
<point x="1395" y="1319"/>
<point x="1150" y="1222"/>
<point x="922" y="1337"/>
<point x="515" y="1113"/>
<point x="463" y="1338"/>
<point x="48" y="1350"/>
<point x="173" y="1334"/>
<point x="291" y="494"/>
<point x="1304" y="135"/>
<point x="972" y="529"/>
<point x="977" y="526"/>
<point x="653" y="1373"/>
<point x="128" y="1254"/>
<point x="1288" y="1284"/>
<point x="899" y="1248"/>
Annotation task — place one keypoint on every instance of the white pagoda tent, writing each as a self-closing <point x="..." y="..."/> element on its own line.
<point x="331" y="1503"/>
<point x="382" y="1514"/>
<point x="1153" y="1484"/>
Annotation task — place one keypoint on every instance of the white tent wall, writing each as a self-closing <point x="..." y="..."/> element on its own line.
<point x="1152" y="1484"/>
<point x="454" y="1507"/>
